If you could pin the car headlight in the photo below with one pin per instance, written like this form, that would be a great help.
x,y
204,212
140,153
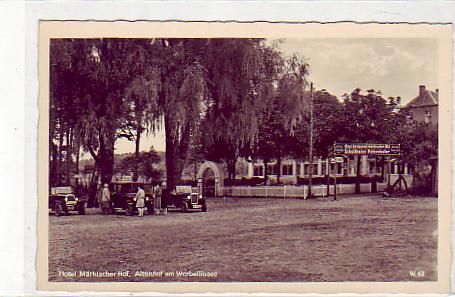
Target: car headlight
x,y
188,197
134,198
66,199
200,196
77,199
146,198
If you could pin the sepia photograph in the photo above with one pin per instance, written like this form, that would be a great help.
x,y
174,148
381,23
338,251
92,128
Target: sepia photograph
x,y
273,158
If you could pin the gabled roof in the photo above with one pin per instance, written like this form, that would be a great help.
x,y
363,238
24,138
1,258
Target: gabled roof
x,y
426,98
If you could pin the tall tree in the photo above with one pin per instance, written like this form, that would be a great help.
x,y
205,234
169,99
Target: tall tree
x,y
180,78
89,76
283,113
328,117
240,75
368,118
272,138
143,111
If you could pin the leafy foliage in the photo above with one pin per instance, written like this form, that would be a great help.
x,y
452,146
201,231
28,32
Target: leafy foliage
x,y
216,99
239,87
145,165
369,117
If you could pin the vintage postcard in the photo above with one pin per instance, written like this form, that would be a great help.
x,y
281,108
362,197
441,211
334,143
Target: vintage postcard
x,y
244,157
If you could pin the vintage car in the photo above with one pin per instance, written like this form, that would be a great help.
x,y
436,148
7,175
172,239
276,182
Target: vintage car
x,y
184,198
123,196
62,200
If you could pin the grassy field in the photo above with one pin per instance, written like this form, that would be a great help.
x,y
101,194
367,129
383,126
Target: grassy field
x,y
254,240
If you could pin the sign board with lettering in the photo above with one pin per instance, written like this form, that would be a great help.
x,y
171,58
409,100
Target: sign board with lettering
x,y
372,149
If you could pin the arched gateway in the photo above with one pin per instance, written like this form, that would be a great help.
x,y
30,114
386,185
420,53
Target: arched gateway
x,y
204,170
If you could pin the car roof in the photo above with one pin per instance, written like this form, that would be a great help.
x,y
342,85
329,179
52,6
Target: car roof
x,y
129,183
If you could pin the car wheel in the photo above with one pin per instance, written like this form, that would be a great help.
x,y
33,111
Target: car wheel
x,y
83,208
130,210
184,207
204,207
58,209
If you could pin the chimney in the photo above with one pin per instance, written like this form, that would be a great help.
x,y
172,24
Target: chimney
x,y
421,90
437,92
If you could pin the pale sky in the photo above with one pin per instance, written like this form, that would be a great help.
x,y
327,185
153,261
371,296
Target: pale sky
x,y
395,66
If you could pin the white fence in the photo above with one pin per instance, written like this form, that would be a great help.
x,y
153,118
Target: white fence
x,y
296,191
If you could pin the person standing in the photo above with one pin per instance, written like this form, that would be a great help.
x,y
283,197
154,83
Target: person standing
x,y
140,201
106,199
157,199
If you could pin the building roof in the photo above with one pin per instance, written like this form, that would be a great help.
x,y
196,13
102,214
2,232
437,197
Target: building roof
x,y
425,98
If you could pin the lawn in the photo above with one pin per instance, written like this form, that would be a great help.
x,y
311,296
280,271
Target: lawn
x,y
365,238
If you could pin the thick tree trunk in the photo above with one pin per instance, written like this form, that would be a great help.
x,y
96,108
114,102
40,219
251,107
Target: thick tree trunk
x,y
357,176
231,166
176,150
136,153
170,152
105,160
234,162
53,169
278,174
78,150
229,169
266,177
69,154
60,156
195,171
93,190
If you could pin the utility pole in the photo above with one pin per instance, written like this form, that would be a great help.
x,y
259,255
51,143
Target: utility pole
x,y
310,182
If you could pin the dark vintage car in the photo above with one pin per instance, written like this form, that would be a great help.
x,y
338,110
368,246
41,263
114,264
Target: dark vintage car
x,y
62,200
184,198
123,196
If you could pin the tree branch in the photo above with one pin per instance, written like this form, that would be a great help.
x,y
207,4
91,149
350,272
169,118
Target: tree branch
x,y
93,153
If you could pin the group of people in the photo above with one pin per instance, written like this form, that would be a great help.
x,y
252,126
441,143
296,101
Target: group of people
x,y
106,203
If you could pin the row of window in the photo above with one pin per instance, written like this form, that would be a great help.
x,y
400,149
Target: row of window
x,y
287,169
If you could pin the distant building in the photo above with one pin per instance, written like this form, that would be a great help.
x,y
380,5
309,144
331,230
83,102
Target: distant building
x,y
424,107
292,170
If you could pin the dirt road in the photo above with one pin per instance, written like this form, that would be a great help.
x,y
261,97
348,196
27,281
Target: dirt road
x,y
353,239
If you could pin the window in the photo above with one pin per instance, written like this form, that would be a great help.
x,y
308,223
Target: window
x,y
324,168
306,169
372,167
392,168
272,169
297,169
287,169
427,116
258,170
336,167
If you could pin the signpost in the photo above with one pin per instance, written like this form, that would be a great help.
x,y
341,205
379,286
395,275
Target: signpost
x,y
371,149
357,149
